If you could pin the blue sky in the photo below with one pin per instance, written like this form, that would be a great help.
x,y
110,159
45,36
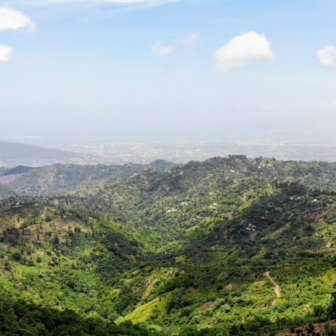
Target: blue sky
x,y
175,71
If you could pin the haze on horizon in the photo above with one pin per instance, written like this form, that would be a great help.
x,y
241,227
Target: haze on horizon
x,y
137,70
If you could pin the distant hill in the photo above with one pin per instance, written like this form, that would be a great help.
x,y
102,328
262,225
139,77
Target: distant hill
x,y
62,178
16,152
5,191
18,170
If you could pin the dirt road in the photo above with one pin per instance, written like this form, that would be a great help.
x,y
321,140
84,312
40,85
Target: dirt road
x,y
277,287
43,215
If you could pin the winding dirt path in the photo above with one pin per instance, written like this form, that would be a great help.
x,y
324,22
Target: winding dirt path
x,y
43,215
277,288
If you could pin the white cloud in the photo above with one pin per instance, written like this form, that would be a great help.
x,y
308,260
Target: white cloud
x,y
161,50
241,50
5,53
188,43
12,19
327,56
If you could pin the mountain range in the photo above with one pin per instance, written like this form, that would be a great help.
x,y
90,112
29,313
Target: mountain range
x,y
228,246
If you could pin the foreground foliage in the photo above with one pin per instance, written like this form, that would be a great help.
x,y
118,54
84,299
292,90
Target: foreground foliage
x,y
20,318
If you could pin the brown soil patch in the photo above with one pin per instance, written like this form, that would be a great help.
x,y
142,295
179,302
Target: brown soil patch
x,y
172,272
229,286
280,230
149,284
206,305
318,216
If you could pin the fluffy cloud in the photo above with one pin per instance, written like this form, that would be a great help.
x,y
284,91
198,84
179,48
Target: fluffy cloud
x,y
188,43
241,50
327,56
161,50
11,19
5,53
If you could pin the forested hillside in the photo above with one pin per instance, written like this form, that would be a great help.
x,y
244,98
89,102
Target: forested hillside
x,y
229,246
61,178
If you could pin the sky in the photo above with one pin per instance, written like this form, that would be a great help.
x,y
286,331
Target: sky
x,y
193,70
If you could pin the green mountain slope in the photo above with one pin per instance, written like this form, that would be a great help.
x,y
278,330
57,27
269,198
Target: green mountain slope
x,y
228,246
61,178
20,318
17,170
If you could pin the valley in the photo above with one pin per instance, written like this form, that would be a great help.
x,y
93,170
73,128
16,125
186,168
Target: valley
x,y
228,246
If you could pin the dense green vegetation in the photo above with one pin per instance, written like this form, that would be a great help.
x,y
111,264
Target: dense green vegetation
x,y
185,251
20,318
61,178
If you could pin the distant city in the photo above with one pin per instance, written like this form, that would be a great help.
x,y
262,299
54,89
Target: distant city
x,y
118,153
146,152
